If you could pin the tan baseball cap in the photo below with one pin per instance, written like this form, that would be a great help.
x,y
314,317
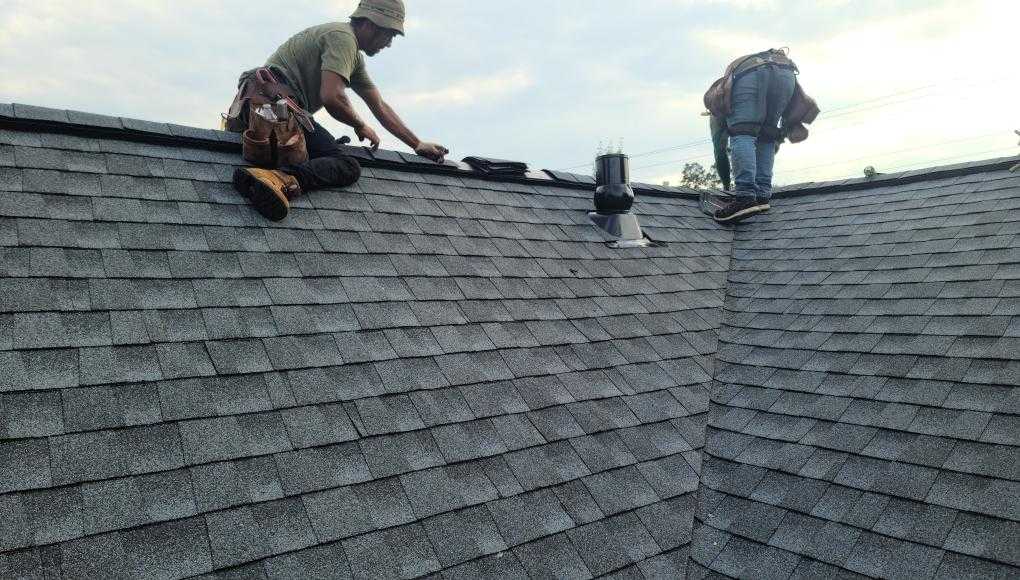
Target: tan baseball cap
x,y
384,13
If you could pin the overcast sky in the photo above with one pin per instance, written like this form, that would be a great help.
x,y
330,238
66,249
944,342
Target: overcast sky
x,y
902,84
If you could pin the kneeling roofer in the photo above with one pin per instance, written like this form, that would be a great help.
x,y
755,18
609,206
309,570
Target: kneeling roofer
x,y
313,70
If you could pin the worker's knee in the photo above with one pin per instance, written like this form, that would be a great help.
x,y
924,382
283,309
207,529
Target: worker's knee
x,y
349,169
335,171
342,170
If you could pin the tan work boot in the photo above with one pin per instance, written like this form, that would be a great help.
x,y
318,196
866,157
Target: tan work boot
x,y
268,190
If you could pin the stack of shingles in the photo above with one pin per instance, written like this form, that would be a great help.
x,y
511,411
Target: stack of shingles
x,y
395,379
869,417
497,167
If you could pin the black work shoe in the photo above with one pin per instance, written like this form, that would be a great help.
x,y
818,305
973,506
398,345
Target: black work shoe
x,y
740,208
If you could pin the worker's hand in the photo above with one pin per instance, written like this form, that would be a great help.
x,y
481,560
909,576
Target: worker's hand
x,y
433,151
367,133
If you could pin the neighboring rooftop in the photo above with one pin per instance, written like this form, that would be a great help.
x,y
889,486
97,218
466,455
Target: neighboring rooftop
x,y
438,371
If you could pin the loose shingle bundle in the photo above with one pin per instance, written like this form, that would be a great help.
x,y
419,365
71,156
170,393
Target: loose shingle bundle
x,y
497,167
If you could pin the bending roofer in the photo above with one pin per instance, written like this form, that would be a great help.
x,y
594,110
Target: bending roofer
x,y
756,92
312,70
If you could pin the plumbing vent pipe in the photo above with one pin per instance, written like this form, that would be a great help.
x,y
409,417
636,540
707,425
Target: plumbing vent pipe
x,y
614,198
613,193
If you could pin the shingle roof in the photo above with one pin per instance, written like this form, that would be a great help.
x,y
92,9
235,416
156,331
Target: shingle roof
x,y
429,371
438,373
865,419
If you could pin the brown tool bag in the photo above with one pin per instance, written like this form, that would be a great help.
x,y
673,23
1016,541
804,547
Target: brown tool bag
x,y
270,120
802,110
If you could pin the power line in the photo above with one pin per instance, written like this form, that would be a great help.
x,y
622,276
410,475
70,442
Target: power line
x,y
707,141
652,152
883,153
840,162
675,161
824,115
959,81
883,97
664,149
825,130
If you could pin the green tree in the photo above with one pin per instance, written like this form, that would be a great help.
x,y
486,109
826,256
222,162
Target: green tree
x,y
696,176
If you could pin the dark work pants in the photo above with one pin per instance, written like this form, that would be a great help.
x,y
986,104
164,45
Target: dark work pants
x,y
327,166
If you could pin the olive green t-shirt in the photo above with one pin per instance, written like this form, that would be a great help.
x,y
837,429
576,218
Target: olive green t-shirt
x,y
331,46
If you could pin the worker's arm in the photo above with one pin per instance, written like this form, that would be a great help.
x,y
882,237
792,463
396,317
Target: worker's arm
x,y
333,93
395,125
720,145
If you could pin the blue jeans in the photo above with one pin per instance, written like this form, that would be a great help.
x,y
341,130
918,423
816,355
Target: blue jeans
x,y
759,99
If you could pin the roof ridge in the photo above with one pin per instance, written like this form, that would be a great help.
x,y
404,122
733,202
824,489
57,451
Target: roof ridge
x,y
31,117
23,116
899,178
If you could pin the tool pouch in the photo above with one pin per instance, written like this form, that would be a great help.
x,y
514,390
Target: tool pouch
x,y
270,144
258,152
291,147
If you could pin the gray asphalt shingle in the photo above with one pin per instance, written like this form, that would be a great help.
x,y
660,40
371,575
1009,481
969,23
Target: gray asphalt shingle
x,y
348,511
554,556
442,489
527,517
402,552
104,454
317,468
429,372
245,533
613,542
464,535
546,465
235,483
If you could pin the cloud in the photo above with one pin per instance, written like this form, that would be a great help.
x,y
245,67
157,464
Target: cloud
x,y
729,4
471,90
157,59
545,82
896,90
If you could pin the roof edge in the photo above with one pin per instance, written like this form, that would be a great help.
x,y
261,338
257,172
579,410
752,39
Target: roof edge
x,y
900,178
21,117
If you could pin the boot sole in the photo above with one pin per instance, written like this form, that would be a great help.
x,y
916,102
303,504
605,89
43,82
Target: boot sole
x,y
746,212
265,201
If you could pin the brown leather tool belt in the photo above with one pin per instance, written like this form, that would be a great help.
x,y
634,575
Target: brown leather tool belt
x,y
258,87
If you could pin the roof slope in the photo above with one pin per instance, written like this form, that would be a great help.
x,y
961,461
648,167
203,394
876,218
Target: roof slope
x,y
866,414
433,373
425,372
